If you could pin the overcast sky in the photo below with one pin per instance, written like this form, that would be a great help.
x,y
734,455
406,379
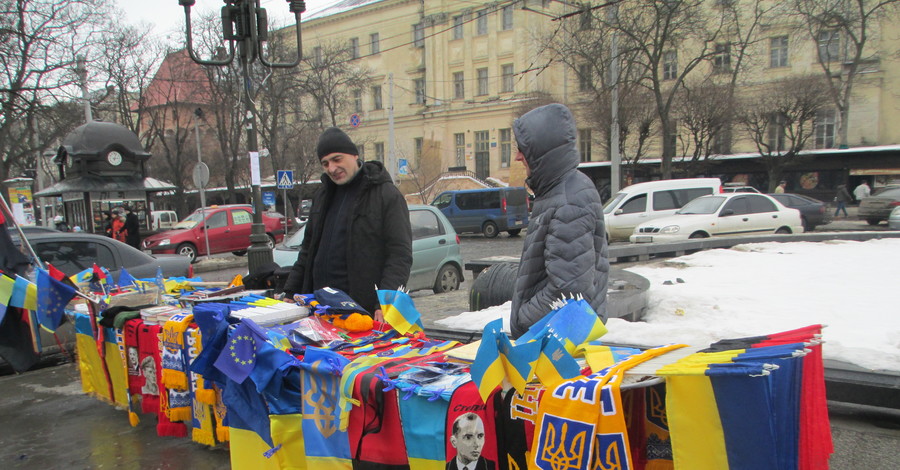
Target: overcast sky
x,y
166,15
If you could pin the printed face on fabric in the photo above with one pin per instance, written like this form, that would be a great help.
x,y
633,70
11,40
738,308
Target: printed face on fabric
x,y
340,167
468,437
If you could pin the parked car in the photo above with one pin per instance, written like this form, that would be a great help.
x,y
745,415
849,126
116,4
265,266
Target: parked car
x,y
642,202
437,264
813,212
894,219
163,220
725,214
488,211
227,227
877,207
738,188
74,252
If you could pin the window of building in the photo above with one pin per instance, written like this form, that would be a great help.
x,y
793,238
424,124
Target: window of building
x,y
459,86
778,51
824,129
420,90
482,81
722,58
585,77
458,27
418,145
379,151
354,48
584,144
586,19
357,101
829,45
670,65
506,18
376,97
507,80
419,35
481,22
460,146
374,42
505,147
317,56
776,133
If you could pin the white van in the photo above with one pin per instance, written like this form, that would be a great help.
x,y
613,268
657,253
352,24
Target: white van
x,y
641,202
162,220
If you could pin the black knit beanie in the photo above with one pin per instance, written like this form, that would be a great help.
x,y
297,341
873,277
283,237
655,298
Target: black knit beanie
x,y
335,140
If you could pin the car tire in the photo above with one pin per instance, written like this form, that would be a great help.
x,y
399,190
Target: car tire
x,y
270,242
805,224
873,221
699,235
514,232
239,253
783,231
490,229
186,249
447,279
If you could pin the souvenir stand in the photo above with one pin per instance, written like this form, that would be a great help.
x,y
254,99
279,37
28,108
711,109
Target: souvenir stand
x,y
317,385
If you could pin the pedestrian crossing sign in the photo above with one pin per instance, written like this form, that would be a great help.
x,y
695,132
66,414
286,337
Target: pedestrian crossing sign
x,y
285,179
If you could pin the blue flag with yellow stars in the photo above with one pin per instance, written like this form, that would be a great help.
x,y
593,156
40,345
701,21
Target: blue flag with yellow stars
x,y
238,359
52,297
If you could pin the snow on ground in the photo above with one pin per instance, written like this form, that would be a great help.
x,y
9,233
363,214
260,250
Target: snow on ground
x,y
761,288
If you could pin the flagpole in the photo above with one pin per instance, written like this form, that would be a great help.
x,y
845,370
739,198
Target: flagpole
x,y
9,216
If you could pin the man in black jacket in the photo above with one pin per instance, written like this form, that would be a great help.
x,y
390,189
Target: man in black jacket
x,y
358,235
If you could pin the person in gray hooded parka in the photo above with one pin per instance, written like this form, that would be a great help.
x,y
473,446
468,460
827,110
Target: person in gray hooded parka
x,y
565,248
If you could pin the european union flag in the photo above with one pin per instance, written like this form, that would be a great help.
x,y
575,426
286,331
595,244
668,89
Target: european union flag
x,y
126,279
160,282
238,359
52,298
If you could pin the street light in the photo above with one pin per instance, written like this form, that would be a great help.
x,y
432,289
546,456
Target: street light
x,y
244,23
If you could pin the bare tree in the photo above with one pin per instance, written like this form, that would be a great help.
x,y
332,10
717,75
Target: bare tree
x,y
425,172
705,112
779,119
330,76
842,30
39,40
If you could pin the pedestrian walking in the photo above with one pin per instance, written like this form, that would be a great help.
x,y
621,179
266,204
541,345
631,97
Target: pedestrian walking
x,y
842,197
780,188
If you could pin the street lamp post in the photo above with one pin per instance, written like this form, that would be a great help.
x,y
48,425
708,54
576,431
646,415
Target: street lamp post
x,y
244,24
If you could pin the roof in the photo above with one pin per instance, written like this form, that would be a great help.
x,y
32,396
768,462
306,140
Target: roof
x,y
92,183
178,80
96,137
333,7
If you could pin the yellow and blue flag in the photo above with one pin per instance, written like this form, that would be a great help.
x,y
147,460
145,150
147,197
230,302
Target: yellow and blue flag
x,y
24,294
519,360
6,289
399,311
573,322
487,369
52,298
554,364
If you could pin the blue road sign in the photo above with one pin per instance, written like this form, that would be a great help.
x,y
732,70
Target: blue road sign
x,y
268,198
285,179
354,120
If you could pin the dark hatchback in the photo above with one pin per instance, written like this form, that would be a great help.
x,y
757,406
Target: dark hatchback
x,y
813,212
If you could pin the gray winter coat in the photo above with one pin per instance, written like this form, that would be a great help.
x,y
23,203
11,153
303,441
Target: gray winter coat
x,y
565,248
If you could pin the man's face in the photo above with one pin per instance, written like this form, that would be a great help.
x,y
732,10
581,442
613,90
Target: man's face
x,y
469,441
520,157
341,167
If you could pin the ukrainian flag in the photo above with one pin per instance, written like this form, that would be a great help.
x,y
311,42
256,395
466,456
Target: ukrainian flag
x,y
573,323
487,370
399,311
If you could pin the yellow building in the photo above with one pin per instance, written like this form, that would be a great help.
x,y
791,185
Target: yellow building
x,y
448,77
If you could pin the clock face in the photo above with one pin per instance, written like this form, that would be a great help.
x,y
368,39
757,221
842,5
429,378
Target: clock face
x,y
114,158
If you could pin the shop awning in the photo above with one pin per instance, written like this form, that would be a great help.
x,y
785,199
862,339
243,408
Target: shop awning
x,y
95,184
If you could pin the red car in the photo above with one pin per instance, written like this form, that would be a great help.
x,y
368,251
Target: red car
x,y
227,228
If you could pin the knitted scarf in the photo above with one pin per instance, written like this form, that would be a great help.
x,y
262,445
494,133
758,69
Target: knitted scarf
x,y
202,429
130,366
174,355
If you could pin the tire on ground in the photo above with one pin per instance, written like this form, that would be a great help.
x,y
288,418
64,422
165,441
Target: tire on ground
x,y
494,286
